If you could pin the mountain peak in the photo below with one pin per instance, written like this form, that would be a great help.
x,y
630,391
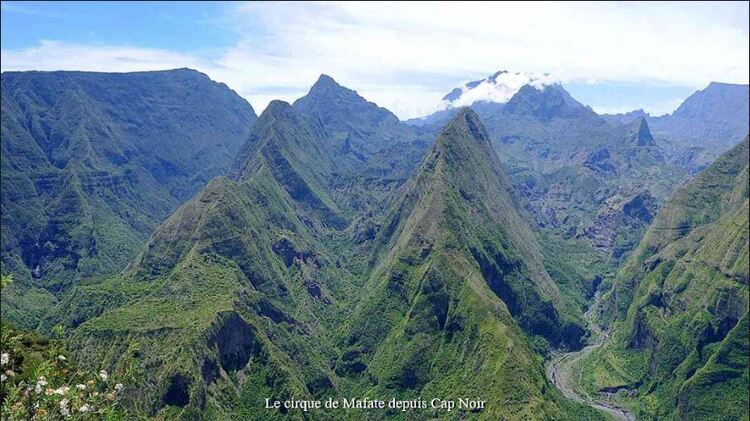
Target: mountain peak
x,y
326,80
342,112
640,134
277,107
498,87
546,102
325,84
465,122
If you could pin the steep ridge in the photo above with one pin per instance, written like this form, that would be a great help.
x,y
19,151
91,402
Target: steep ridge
x,y
458,272
92,162
233,298
244,293
680,303
579,176
237,295
705,125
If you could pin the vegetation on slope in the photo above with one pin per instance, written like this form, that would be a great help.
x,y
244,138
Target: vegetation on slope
x,y
680,304
92,162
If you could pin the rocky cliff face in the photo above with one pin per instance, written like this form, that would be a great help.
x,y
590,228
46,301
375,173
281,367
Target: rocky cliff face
x,y
680,302
576,169
93,161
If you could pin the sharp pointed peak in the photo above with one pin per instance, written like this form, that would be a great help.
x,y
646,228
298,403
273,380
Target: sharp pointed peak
x,y
325,82
326,87
465,121
640,133
324,78
463,115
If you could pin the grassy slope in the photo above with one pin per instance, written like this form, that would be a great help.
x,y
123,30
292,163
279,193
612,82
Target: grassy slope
x,y
431,324
681,300
244,292
236,262
92,162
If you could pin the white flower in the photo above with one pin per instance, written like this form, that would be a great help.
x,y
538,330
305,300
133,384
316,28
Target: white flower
x,y
119,387
104,376
3,377
39,385
64,408
4,358
61,357
84,408
61,391
81,386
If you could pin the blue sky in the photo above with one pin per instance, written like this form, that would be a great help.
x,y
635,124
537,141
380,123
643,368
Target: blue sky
x,y
612,56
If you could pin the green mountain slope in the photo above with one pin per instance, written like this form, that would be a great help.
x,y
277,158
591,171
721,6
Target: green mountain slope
x,y
680,304
92,162
264,259
592,186
458,273
247,291
230,301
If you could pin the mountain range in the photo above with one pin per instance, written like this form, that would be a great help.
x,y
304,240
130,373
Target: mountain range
x,y
705,125
680,304
326,249
93,162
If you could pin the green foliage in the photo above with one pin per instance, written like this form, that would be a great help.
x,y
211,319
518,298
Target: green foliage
x,y
39,382
457,273
92,162
679,305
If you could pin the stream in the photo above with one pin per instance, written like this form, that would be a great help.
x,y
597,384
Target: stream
x,y
560,370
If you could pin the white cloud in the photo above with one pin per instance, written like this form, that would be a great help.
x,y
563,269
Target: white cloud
x,y
406,56
499,88
56,55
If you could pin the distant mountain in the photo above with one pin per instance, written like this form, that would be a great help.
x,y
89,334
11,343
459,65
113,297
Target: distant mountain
x,y
373,136
546,103
680,304
559,152
92,162
718,102
625,118
705,125
516,93
499,88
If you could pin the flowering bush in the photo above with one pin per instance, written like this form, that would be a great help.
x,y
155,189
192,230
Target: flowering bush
x,y
39,382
